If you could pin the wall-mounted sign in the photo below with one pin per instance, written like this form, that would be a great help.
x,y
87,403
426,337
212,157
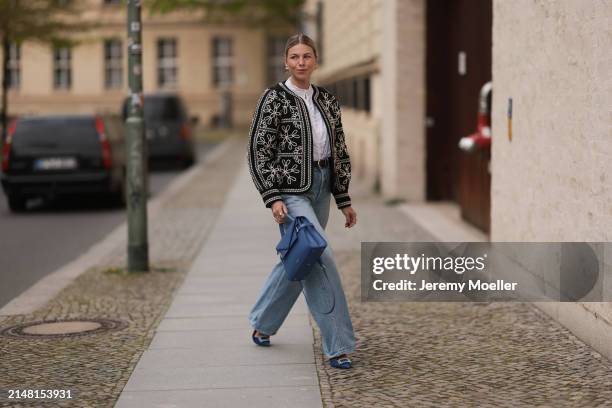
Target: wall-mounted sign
x,y
510,119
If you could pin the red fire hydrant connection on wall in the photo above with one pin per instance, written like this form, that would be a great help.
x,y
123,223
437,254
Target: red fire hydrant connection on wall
x,y
481,139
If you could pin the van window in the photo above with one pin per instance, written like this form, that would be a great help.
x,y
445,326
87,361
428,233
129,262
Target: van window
x,y
163,109
78,134
159,108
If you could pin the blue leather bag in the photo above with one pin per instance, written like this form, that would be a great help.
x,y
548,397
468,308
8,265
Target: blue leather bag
x,y
300,247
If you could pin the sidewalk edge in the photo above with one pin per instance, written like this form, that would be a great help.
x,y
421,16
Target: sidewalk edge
x,y
49,286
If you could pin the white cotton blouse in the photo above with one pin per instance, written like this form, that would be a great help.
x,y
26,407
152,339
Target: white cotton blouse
x,y
321,149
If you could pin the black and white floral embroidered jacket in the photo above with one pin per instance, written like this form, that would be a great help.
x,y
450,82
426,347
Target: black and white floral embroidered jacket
x,y
281,142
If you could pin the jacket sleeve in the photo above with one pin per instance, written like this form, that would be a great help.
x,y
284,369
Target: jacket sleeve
x,y
262,147
342,163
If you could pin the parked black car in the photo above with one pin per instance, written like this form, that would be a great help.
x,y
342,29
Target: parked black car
x,y
168,129
57,155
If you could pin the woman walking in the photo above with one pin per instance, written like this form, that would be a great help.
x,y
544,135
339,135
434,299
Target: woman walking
x,y
298,159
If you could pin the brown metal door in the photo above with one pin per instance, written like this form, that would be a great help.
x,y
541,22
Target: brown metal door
x,y
458,64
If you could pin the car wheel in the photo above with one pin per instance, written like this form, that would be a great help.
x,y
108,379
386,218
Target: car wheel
x,y
188,162
118,196
16,203
121,195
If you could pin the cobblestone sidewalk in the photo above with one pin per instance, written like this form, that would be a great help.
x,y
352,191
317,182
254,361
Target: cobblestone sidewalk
x,y
408,354
451,354
96,367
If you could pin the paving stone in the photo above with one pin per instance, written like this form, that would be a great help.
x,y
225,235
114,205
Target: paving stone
x,y
229,355
260,397
96,367
222,377
408,354
232,337
221,322
450,354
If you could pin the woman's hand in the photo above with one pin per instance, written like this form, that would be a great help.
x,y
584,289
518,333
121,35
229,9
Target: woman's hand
x,y
279,211
350,215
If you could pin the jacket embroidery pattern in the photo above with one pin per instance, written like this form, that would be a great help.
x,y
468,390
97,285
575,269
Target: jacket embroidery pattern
x,y
281,142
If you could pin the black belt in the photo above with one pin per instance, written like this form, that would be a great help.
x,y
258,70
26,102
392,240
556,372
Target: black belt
x,y
321,163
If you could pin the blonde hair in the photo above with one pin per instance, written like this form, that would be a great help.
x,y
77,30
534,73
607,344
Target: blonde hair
x,y
300,38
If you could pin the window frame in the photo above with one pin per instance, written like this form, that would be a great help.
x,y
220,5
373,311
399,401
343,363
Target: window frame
x,y
62,68
354,92
222,65
167,65
14,66
275,55
113,63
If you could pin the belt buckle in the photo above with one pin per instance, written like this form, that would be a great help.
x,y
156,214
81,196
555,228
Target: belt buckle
x,y
321,163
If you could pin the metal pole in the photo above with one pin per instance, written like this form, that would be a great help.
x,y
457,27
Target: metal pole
x,y
226,109
6,48
138,246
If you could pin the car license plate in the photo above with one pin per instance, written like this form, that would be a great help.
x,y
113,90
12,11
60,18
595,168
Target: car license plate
x,y
56,163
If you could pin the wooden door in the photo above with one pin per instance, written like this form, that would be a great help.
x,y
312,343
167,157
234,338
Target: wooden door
x,y
458,64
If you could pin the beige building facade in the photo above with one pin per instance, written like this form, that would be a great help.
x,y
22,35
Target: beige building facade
x,y
379,78
180,54
551,182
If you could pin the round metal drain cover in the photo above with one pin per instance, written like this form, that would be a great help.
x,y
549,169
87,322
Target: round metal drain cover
x,y
63,328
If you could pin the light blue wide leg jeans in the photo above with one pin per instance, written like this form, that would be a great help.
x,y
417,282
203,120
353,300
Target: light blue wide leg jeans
x,y
322,287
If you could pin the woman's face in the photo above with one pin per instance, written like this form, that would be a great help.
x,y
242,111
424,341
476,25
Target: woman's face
x,y
301,61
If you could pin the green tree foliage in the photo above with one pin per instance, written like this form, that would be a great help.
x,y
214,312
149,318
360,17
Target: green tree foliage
x,y
250,12
39,20
48,21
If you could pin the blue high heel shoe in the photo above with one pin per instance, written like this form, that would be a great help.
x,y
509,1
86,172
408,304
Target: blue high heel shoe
x,y
261,339
342,362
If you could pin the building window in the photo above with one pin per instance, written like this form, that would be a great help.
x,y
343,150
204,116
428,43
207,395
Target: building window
x,y
353,92
343,93
356,82
14,66
62,72
223,62
276,59
113,64
333,88
366,94
166,62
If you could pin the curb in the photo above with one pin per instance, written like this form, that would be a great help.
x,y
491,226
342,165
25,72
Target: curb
x,y
48,287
